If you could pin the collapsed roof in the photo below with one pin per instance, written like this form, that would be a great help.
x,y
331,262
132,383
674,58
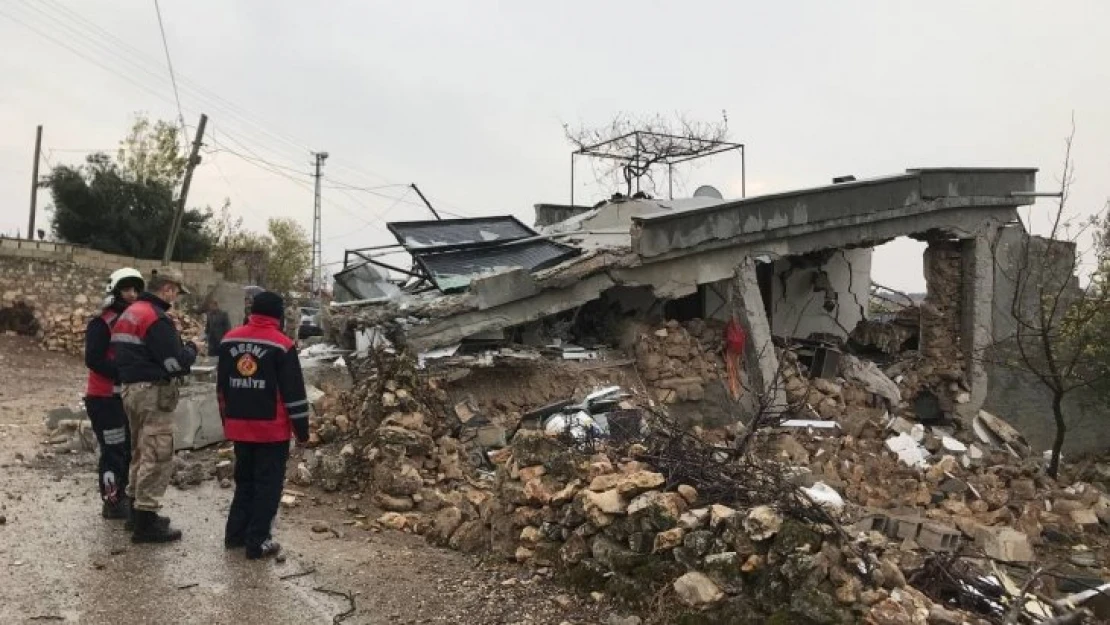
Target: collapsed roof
x,y
494,273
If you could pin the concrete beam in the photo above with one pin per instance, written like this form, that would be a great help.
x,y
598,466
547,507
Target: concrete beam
x,y
857,203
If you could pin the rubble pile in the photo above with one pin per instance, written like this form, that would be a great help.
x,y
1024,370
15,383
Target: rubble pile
x,y
65,331
797,528
678,361
890,337
395,440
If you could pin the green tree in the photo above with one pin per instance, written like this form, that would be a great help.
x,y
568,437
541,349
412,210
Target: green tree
x,y
238,253
152,152
102,206
290,256
279,260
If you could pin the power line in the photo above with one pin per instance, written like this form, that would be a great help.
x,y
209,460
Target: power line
x,y
100,40
173,79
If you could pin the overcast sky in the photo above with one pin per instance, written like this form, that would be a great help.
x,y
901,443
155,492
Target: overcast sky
x,y
468,99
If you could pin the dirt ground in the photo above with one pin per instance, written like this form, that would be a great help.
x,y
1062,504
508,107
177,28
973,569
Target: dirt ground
x,y
60,562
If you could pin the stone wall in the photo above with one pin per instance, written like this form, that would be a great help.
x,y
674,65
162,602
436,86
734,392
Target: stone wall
x,y
60,294
1015,394
51,290
200,276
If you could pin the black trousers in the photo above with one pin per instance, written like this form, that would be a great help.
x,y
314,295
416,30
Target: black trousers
x,y
109,422
259,478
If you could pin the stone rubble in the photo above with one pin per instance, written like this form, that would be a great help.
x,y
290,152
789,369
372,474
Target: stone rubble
x,y
607,519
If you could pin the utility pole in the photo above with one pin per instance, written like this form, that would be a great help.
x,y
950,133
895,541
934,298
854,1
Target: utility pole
x,y
425,200
317,253
35,183
179,216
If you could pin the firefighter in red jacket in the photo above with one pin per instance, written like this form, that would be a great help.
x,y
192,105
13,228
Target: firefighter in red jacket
x,y
102,395
263,403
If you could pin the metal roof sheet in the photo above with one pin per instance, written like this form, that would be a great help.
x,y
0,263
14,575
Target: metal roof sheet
x,y
417,235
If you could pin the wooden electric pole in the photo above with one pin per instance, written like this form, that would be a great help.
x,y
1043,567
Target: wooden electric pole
x,y
35,183
179,216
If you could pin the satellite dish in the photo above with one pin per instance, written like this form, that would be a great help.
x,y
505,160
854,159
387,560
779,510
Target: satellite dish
x,y
708,191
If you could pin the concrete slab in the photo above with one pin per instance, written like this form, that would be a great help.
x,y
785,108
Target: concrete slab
x,y
507,285
197,421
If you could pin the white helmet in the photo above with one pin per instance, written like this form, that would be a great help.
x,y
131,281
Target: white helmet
x,y
127,273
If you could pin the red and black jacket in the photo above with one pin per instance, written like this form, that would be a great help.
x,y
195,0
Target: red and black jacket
x,y
146,345
260,385
103,373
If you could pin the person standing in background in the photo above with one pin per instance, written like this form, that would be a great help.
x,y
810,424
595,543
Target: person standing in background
x,y
216,325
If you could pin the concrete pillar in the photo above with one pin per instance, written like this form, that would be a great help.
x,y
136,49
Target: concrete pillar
x,y
761,361
976,320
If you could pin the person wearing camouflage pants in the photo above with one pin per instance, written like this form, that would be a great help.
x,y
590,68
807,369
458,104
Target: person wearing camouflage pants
x,y
151,359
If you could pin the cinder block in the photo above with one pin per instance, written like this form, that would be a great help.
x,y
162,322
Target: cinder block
x,y
1006,544
935,537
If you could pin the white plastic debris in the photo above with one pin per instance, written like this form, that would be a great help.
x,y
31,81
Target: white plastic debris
x,y
825,496
810,423
908,450
917,432
579,426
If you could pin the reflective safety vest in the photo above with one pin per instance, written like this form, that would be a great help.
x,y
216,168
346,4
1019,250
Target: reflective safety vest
x,y
135,362
101,385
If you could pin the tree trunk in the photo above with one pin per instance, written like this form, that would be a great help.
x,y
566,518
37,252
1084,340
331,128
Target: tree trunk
x,y
1061,432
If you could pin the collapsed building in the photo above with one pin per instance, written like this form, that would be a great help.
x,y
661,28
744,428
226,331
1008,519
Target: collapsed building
x,y
792,266
466,424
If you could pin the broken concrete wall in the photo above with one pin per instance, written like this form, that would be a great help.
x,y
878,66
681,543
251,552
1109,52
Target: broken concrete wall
x,y
1014,393
941,319
823,293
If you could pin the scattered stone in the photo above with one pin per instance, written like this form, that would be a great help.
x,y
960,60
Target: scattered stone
x,y
696,589
303,477
628,484
319,527
762,523
391,520
719,514
224,470
689,493
952,445
665,541
390,503
528,474
225,483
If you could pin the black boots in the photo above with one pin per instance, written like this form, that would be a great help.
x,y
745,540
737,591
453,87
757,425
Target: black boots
x,y
267,549
120,509
129,524
150,528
